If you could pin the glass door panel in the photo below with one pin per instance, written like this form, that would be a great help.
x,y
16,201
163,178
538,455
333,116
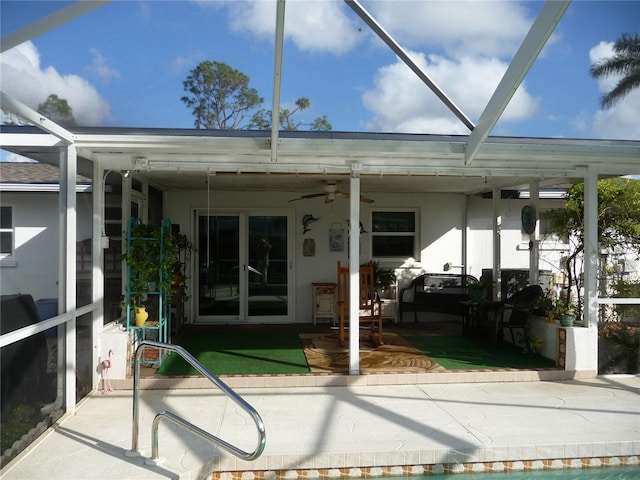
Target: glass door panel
x,y
268,266
219,274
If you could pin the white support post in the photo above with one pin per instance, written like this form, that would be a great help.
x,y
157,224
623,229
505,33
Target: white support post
x,y
497,232
534,262
99,243
67,273
354,274
125,208
590,310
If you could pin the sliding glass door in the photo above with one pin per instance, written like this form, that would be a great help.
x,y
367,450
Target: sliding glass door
x,y
243,268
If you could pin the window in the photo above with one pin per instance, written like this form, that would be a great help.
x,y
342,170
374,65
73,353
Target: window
x,y
393,234
6,231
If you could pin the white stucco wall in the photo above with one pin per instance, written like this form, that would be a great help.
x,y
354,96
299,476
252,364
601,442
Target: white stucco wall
x,y
34,268
441,220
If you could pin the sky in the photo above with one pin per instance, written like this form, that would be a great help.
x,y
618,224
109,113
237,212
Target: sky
x,y
124,63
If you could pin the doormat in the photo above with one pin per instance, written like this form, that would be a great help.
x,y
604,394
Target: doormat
x,y
324,354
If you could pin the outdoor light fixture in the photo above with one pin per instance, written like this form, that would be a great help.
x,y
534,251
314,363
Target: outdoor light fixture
x,y
126,173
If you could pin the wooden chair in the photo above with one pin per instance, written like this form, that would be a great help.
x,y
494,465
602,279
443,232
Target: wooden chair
x,y
370,309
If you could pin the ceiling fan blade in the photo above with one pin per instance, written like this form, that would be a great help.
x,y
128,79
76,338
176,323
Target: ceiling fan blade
x,y
311,195
365,199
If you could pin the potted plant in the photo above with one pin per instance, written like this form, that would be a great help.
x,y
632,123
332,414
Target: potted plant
x,y
478,290
150,256
385,280
563,312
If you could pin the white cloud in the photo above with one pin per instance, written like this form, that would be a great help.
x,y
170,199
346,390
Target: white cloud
x,y
622,121
14,158
25,79
101,68
186,62
492,29
598,53
402,103
311,25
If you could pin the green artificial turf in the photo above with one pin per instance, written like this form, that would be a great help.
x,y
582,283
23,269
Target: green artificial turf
x,y
235,353
466,353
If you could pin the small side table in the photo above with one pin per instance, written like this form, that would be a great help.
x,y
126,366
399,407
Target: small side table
x,y
324,301
390,310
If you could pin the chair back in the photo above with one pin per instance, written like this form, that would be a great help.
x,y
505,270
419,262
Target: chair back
x,y
523,303
367,293
343,284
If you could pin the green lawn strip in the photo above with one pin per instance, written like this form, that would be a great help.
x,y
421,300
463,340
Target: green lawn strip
x,y
239,354
467,353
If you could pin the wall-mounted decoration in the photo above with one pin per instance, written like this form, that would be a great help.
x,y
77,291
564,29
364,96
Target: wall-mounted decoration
x,y
336,238
307,220
309,247
362,230
529,219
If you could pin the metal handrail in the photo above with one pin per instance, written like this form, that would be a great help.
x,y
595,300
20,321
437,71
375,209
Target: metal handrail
x,y
154,460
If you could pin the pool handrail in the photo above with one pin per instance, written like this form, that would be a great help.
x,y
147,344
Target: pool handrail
x,y
154,460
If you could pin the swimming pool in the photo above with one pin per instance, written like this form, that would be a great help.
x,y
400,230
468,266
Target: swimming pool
x,y
630,472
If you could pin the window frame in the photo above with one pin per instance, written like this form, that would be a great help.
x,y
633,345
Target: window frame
x,y
7,258
415,234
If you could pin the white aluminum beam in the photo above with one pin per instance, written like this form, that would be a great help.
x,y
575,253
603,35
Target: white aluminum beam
x,y
49,22
19,108
533,43
398,50
277,79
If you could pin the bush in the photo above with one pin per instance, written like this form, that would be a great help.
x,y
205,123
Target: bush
x,y
619,347
627,289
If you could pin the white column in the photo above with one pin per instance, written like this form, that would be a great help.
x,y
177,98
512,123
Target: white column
x,y
497,229
590,310
99,243
67,273
534,262
354,274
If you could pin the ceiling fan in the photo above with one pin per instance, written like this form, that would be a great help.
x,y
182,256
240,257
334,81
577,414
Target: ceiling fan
x,y
330,193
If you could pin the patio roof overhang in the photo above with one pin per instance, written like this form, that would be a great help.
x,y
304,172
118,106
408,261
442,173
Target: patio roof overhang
x,y
386,162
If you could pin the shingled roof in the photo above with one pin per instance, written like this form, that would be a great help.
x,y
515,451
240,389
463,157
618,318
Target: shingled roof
x,y
33,174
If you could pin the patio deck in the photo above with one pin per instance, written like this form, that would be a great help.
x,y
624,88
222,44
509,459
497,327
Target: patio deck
x,y
358,429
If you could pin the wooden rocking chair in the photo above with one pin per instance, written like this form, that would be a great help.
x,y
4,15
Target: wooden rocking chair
x,y
370,309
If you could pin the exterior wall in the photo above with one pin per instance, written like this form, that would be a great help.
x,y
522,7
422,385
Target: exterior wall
x,y
36,221
441,221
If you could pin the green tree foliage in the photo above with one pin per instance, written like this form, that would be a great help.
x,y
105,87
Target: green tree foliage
x,y
261,120
618,222
625,62
57,110
219,96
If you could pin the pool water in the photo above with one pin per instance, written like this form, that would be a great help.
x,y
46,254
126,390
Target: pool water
x,y
631,472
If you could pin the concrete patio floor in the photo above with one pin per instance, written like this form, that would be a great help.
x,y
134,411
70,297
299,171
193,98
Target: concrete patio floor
x,y
383,429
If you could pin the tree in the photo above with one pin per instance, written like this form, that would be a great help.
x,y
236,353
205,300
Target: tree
x,y
219,96
57,110
618,224
626,63
261,120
